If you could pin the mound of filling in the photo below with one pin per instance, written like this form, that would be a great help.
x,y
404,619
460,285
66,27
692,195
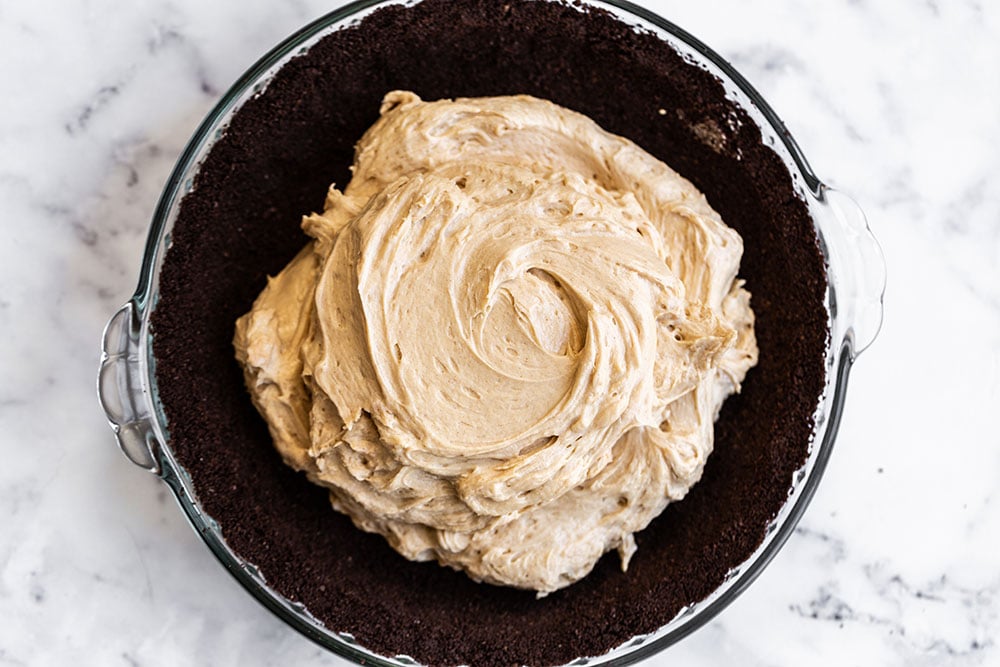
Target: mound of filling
x,y
507,342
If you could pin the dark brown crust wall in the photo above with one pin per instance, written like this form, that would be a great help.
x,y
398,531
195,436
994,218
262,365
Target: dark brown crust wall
x,y
241,222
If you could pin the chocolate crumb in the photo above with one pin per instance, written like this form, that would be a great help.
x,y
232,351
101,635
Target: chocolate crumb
x,y
241,223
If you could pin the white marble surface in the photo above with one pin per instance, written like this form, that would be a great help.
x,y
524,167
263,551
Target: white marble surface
x,y
897,561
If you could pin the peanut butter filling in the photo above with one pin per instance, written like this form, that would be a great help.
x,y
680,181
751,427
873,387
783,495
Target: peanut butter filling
x,y
507,343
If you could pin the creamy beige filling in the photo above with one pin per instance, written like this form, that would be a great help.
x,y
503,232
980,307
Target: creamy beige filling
x,y
508,341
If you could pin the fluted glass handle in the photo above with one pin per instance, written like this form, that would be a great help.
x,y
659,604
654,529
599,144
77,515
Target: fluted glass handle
x,y
121,389
861,292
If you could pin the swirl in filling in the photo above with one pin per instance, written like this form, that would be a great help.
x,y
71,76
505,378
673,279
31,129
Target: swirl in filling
x,y
508,341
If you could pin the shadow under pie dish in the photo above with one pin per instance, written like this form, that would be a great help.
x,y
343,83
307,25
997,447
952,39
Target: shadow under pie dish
x,y
229,217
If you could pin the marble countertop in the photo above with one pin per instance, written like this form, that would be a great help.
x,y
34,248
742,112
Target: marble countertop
x,y
897,561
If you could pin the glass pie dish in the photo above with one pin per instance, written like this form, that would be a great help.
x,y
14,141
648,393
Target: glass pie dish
x,y
855,279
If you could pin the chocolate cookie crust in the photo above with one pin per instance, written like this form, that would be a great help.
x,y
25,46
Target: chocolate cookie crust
x,y
241,223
